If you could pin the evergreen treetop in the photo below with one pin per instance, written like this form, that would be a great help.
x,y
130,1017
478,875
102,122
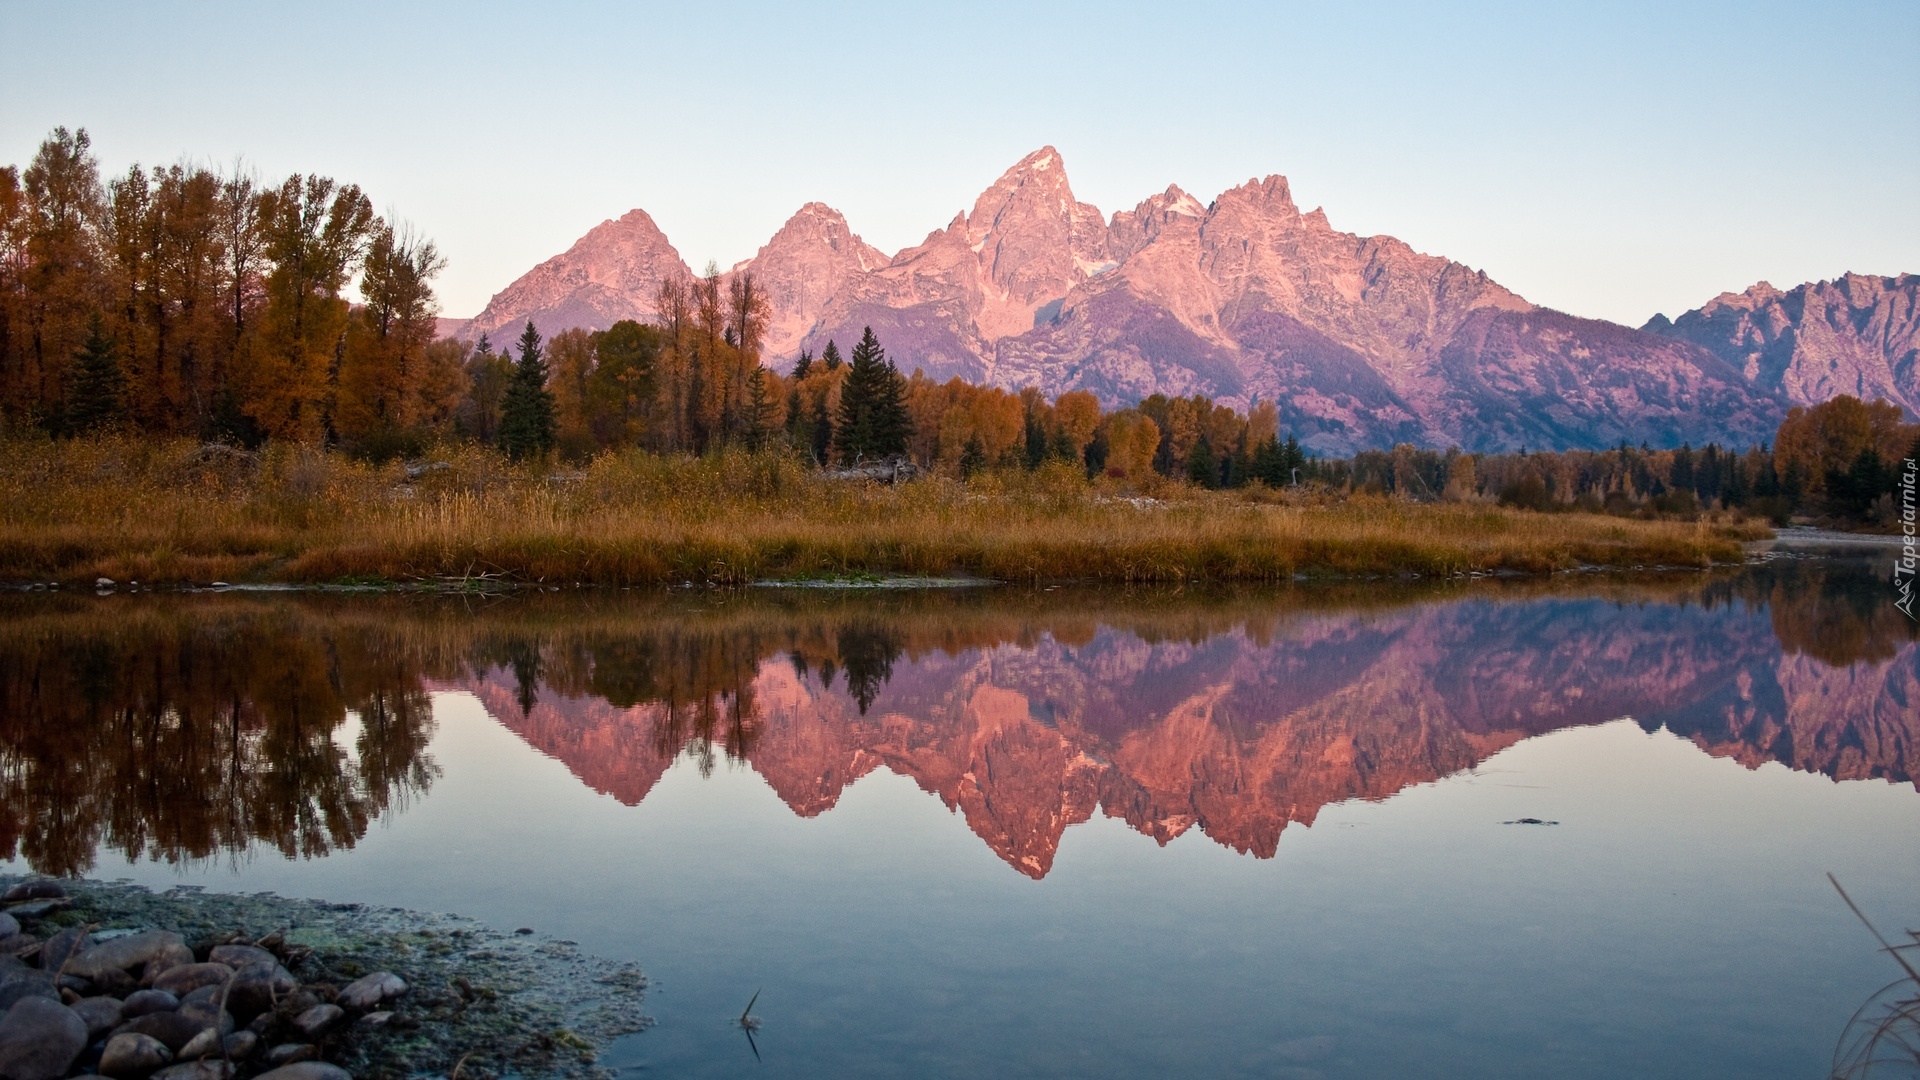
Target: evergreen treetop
x,y
527,423
97,395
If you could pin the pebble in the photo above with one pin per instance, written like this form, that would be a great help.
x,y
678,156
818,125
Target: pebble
x,y
306,1070
375,1019
121,953
241,1044
17,984
288,1053
168,958
256,988
142,1002
103,583
102,1014
370,990
9,925
35,909
204,1069
188,978
14,944
39,1039
239,956
207,1042
172,1028
315,1022
62,947
35,890
131,1055
206,1014
209,993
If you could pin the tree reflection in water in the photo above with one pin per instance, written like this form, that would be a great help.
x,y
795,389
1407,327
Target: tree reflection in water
x,y
186,727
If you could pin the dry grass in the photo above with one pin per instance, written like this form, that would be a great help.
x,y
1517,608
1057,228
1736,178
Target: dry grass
x,y
159,512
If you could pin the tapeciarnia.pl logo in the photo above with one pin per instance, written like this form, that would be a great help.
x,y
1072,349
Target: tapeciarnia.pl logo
x,y
1903,570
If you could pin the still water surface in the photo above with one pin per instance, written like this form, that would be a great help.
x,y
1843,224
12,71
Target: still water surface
x,y
1048,834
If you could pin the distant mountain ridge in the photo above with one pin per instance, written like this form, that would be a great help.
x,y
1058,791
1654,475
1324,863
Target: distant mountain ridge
x,y
1361,341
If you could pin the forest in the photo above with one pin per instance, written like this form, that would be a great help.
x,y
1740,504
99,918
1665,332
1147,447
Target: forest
x,y
181,302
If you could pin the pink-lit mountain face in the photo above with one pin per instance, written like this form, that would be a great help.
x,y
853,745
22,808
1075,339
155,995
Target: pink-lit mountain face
x,y
1361,341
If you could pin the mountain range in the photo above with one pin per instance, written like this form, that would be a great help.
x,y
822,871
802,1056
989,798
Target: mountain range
x,y
1241,734
1360,341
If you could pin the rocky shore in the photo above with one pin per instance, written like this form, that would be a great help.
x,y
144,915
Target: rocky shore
x,y
112,980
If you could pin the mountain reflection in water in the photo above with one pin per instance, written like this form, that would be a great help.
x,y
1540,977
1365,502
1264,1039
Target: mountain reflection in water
x,y
183,727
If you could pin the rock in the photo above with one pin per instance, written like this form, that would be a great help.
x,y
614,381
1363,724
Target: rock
x,y
239,956
316,1021
257,987
206,1014
9,925
17,945
306,1070
103,583
168,958
26,982
132,1055
288,1053
62,947
142,1002
39,1039
374,1019
241,1044
204,1069
208,993
176,1029
113,982
370,990
35,890
39,909
201,1045
261,1024
299,1001
187,978
122,953
102,1014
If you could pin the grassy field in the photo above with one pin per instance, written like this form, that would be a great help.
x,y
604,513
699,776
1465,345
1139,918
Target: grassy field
x,y
177,512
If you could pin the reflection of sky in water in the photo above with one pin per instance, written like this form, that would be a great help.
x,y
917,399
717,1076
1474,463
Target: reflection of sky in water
x,y
1677,923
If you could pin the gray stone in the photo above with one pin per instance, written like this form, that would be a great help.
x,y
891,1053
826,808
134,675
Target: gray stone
x,y
35,890
38,909
173,1028
374,1019
288,1053
201,1045
316,1021
241,1044
122,953
142,1002
17,945
209,993
187,978
257,987
370,990
39,1039
112,982
26,982
207,1014
130,1055
9,925
306,1070
239,956
204,1069
102,1015
168,958
63,947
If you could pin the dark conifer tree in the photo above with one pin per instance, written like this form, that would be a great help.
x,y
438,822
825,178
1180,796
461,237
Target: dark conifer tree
x,y
803,367
527,424
1201,468
97,396
873,421
830,356
973,457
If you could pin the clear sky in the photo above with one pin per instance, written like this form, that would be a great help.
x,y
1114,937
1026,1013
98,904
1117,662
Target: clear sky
x,y
1608,159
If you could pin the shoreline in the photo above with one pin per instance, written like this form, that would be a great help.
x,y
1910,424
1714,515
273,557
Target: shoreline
x,y
466,997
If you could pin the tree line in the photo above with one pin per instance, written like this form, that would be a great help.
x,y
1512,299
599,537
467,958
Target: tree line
x,y
179,301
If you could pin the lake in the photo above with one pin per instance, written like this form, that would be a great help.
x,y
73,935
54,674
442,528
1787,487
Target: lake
x,y
1567,827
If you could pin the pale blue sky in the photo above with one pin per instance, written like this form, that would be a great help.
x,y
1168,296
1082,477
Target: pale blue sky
x,y
1610,160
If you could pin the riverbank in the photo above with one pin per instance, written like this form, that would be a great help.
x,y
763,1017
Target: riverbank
x,y
162,513
189,985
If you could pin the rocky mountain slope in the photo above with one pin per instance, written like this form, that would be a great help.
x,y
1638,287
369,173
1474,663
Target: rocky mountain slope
x,y
1360,340
1854,335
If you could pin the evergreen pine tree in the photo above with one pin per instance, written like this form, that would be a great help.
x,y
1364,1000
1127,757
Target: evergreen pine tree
x,y
759,408
97,397
1201,468
527,423
973,457
803,366
830,356
873,421
820,431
